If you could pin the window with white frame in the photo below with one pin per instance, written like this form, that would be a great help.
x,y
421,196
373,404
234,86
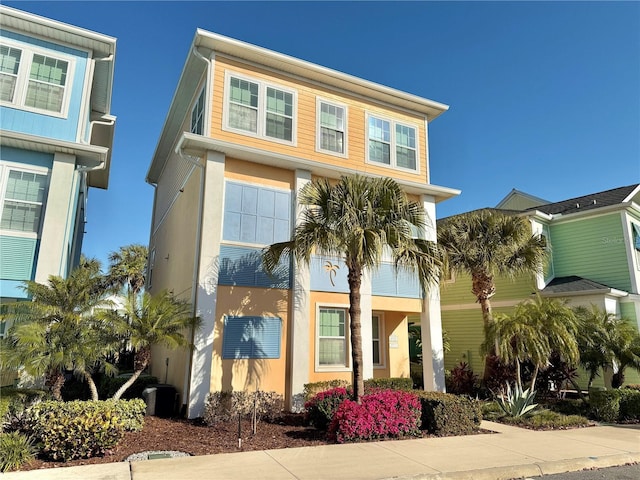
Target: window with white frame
x,y
197,115
261,109
23,196
332,130
636,241
34,80
376,338
332,337
392,143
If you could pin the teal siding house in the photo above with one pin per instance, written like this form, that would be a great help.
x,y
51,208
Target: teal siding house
x,y
594,243
56,137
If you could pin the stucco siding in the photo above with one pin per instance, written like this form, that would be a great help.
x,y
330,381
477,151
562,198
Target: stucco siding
x,y
593,248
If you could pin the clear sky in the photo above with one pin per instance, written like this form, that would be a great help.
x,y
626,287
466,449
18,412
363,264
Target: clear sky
x,y
544,96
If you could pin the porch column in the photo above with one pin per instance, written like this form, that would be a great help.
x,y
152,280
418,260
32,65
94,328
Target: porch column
x,y
300,318
365,322
430,318
58,214
208,241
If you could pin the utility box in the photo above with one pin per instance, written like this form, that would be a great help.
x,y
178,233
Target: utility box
x,y
161,400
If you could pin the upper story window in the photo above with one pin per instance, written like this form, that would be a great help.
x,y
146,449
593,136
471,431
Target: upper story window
x,y
261,109
197,115
23,196
332,130
636,241
33,80
392,143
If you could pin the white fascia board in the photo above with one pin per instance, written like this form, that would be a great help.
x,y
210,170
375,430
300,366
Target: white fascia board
x,y
196,145
87,155
562,218
635,192
602,291
296,66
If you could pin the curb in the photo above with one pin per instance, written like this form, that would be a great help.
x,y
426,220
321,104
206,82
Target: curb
x,y
530,470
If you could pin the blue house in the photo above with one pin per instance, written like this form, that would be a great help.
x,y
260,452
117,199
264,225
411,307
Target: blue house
x,y
56,137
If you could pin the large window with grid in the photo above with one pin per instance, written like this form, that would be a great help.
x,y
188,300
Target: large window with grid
x,y
332,131
254,107
34,80
23,197
392,143
332,337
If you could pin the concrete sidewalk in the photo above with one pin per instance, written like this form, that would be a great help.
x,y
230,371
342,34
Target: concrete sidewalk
x,y
509,453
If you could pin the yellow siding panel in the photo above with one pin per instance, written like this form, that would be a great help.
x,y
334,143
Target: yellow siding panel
x,y
259,173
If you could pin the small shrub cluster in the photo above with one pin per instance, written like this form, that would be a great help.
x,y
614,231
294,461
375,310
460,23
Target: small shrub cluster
x,y
547,419
311,389
224,406
615,405
462,381
383,414
82,429
14,402
447,414
16,450
321,408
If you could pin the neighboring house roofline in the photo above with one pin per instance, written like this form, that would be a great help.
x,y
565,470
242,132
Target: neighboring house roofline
x,y
197,145
207,44
578,286
103,48
514,192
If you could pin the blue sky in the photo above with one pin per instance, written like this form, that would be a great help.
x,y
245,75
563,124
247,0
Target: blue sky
x,y
544,97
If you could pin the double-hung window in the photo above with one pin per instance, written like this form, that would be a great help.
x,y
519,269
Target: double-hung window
x,y
332,131
22,201
376,338
31,79
261,109
197,115
332,338
392,143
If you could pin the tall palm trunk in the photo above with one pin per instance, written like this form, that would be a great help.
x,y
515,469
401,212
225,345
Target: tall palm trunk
x,y
355,326
483,287
54,380
140,362
92,385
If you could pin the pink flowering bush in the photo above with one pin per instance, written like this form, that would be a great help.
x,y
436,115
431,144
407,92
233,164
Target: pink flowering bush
x,y
321,407
383,414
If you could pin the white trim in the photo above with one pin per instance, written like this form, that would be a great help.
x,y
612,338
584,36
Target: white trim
x,y
381,341
347,339
345,127
23,77
393,123
261,110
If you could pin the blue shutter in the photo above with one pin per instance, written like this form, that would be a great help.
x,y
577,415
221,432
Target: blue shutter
x,y
387,282
251,337
242,266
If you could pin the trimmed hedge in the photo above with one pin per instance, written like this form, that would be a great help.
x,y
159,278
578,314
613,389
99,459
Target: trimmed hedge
x,y
394,383
321,408
312,389
446,414
615,405
82,429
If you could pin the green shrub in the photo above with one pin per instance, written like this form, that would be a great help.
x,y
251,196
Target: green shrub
x,y
78,429
311,389
131,412
321,407
108,386
395,383
14,402
16,450
629,404
605,405
446,414
547,419
225,406
517,402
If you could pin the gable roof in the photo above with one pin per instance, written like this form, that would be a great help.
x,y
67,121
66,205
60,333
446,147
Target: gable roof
x,y
517,199
574,285
592,201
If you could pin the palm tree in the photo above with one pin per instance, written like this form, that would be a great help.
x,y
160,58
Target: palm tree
x,y
56,330
150,320
533,332
127,268
488,243
607,342
359,219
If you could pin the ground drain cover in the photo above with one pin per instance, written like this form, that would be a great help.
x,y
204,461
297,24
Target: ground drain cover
x,y
155,455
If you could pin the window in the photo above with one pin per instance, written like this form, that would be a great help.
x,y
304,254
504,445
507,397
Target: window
x,y
34,81
392,143
332,338
260,109
24,195
197,115
376,337
251,337
331,127
636,241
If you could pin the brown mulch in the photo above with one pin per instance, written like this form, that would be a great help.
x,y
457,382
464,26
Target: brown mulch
x,y
160,434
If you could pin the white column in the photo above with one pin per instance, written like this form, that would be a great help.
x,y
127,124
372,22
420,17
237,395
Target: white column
x,y
300,321
430,318
207,281
365,322
58,213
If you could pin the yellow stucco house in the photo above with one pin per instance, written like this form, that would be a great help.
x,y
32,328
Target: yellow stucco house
x,y
247,128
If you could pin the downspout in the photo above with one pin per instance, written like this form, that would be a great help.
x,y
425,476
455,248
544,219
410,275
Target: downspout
x,y
198,242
